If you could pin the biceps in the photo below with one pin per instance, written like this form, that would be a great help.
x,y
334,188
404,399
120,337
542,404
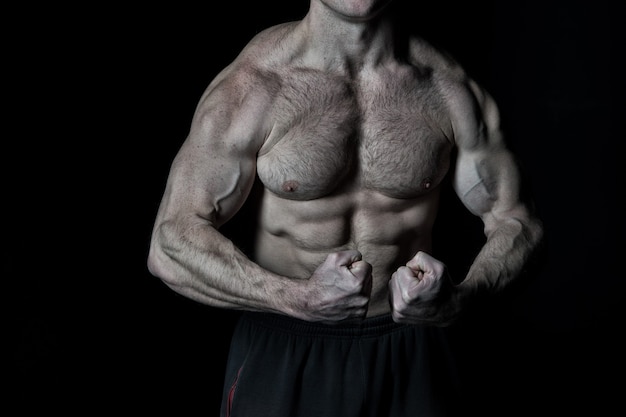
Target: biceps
x,y
213,185
230,189
487,182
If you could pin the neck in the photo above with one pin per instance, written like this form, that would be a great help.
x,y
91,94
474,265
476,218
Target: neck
x,y
339,40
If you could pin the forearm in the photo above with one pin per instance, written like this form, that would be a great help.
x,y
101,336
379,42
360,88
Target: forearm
x,y
510,244
200,263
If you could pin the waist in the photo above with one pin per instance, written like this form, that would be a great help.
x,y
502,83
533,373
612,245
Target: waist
x,y
368,327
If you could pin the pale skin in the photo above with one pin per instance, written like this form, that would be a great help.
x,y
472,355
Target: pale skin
x,y
349,141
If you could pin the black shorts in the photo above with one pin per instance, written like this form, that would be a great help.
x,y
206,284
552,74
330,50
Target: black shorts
x,y
283,367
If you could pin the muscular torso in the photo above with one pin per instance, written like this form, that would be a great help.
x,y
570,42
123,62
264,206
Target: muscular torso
x,y
351,162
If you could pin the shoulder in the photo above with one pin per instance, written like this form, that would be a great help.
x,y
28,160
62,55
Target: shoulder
x,y
447,75
237,99
438,62
270,42
253,74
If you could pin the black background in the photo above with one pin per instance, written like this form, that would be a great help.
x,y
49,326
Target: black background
x,y
99,100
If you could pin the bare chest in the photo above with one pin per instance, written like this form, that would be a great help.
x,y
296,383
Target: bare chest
x,y
384,135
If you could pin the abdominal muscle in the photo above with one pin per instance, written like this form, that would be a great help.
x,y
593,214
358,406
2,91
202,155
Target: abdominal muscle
x,y
296,236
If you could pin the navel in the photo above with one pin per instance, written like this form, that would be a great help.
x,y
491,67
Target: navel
x,y
290,186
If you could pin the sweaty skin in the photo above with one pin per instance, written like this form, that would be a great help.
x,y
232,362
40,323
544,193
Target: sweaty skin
x,y
348,141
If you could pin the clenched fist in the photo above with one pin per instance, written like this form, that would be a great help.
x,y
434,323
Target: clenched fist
x,y
423,293
339,288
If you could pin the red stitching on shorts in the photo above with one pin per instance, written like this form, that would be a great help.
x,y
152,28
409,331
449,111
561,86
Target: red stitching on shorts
x,y
231,393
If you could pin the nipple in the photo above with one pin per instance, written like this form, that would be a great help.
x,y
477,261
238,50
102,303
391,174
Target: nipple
x,y
427,183
290,186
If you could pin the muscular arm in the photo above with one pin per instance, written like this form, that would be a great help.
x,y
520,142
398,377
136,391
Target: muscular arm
x,y
487,181
209,181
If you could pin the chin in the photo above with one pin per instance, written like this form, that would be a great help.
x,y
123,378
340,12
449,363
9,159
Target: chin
x,y
358,9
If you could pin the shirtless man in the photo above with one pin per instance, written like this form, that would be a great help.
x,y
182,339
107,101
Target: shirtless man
x,y
340,135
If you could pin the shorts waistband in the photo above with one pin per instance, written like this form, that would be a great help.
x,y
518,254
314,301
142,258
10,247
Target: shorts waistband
x,y
368,327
